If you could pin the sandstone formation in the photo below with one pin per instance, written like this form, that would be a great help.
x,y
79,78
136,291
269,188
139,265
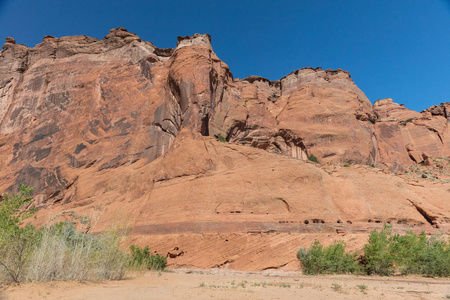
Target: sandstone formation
x,y
121,128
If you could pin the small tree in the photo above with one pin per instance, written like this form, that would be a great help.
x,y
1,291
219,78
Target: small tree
x,y
16,241
377,253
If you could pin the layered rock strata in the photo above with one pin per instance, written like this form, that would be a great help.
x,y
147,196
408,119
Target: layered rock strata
x,y
120,126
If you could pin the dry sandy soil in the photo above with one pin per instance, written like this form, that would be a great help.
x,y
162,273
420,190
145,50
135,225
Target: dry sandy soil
x,y
222,284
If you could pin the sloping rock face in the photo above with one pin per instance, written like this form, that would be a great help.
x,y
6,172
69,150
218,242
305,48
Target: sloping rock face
x,y
121,128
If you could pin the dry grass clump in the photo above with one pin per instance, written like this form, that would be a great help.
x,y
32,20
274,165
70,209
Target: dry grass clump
x,y
65,254
62,251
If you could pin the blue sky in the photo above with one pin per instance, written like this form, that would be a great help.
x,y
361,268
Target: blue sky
x,y
392,48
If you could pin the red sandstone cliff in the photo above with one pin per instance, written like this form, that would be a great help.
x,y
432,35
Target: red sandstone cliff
x,y
120,126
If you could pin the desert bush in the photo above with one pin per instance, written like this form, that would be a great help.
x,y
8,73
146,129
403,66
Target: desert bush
x,y
384,254
329,260
113,262
407,121
141,257
221,138
408,254
66,254
313,158
16,241
56,252
378,258
436,259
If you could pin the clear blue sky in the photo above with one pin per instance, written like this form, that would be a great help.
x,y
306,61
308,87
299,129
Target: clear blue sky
x,y
392,48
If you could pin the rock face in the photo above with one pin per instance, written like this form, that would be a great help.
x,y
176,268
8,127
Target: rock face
x,y
404,135
119,125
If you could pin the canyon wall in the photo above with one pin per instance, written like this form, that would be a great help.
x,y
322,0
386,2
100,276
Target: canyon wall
x,y
194,158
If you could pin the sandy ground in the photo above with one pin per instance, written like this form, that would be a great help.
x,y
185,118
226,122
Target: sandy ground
x,y
222,284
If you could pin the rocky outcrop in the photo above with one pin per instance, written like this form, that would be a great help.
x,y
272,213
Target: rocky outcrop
x,y
120,125
403,135
440,110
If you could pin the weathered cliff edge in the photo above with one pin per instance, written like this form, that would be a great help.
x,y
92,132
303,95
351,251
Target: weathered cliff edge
x,y
121,127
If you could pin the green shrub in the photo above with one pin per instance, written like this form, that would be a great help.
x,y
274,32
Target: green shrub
x,y
436,260
378,258
57,252
409,254
221,138
138,256
384,254
157,262
329,260
313,158
410,248
142,258
407,121
16,241
417,254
